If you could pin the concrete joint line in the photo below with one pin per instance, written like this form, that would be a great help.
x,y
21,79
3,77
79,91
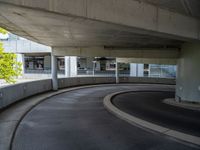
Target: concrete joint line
x,y
145,124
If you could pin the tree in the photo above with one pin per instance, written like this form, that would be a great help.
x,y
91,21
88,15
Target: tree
x,y
9,67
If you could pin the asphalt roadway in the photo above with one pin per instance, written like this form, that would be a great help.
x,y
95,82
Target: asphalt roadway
x,y
149,106
77,120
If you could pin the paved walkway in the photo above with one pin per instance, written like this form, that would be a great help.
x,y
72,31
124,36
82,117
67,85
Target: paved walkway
x,y
77,120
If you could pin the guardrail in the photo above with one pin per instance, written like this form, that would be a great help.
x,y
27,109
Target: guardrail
x,y
13,93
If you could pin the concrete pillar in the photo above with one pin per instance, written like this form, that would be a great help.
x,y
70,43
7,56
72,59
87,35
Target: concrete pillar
x,y
73,66
136,70
67,66
70,66
140,70
54,68
133,70
117,72
93,69
188,73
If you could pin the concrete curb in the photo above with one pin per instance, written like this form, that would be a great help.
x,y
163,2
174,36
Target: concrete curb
x,y
190,106
142,123
9,123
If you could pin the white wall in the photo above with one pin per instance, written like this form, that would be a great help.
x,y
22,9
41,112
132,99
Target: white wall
x,y
133,70
136,70
73,66
25,46
70,66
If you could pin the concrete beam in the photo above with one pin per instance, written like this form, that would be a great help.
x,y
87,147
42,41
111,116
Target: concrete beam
x,y
127,53
160,61
144,18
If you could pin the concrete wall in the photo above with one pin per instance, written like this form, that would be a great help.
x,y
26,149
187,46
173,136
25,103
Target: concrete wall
x,y
76,81
147,80
151,18
25,46
17,92
13,93
188,73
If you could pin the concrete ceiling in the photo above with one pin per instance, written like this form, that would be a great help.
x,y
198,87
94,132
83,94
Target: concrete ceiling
x,y
186,7
59,30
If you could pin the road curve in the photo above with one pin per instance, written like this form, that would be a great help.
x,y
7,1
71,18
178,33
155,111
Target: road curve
x,y
77,120
149,106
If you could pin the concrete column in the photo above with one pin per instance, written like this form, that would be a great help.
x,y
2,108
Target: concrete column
x,y
117,72
188,74
140,70
70,66
133,70
54,68
67,66
73,66
136,70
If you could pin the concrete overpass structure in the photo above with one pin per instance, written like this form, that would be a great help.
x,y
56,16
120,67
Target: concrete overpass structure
x,y
142,31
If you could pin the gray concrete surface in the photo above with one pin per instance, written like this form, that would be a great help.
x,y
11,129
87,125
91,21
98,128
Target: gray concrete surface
x,y
94,23
147,110
186,105
13,93
149,31
149,106
188,73
11,117
78,120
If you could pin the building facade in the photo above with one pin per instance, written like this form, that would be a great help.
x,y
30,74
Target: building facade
x,y
36,60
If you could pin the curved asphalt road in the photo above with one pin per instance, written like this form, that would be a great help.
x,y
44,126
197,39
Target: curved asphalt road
x,y
149,106
77,120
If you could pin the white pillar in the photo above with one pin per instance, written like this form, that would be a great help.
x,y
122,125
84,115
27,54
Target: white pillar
x,y
70,66
93,70
73,66
133,70
54,72
140,70
136,70
117,72
67,66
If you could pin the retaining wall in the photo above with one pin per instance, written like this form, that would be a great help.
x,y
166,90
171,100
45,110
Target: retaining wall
x,y
13,93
